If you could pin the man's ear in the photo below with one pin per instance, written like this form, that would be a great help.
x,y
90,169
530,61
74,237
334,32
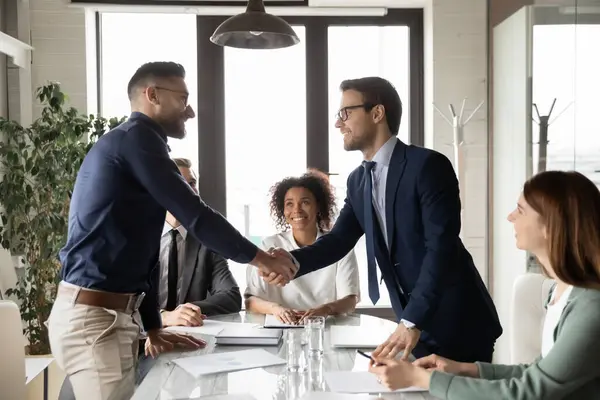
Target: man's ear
x,y
152,95
378,113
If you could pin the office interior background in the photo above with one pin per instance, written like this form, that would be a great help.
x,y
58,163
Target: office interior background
x,y
266,114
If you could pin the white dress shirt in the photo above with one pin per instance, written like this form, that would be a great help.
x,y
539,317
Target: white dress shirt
x,y
379,175
553,313
165,242
328,284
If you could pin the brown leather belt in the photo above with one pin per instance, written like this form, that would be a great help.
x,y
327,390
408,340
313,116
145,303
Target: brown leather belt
x,y
125,303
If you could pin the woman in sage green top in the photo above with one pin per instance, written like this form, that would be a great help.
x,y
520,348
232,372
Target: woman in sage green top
x,y
558,220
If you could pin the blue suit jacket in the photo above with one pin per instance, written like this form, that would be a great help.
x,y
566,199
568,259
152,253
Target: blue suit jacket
x,y
430,276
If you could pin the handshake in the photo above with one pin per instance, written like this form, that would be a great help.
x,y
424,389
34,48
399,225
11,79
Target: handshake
x,y
275,266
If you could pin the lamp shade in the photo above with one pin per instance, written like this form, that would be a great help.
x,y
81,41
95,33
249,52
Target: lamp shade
x,y
255,29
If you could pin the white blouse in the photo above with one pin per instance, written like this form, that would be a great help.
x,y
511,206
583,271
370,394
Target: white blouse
x,y
312,290
553,313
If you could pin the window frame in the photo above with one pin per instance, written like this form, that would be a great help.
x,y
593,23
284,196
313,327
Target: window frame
x,y
210,115
211,91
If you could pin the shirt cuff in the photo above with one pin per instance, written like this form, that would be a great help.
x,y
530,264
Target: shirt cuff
x,y
296,263
407,324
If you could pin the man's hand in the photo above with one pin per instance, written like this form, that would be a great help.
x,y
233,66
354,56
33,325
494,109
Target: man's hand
x,y
286,315
187,314
275,267
160,341
402,339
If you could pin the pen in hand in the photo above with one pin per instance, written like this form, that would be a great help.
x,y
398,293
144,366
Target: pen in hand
x,y
367,356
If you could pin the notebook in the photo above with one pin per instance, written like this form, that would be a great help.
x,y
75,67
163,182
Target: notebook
x,y
355,337
244,335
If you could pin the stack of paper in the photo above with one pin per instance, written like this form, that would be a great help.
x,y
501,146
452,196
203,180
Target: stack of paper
x,y
243,335
228,362
359,382
210,327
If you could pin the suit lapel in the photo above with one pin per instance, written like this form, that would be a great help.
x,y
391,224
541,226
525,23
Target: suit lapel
x,y
395,171
189,266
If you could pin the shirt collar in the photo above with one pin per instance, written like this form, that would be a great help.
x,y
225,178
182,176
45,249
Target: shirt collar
x,y
136,115
384,154
290,237
168,228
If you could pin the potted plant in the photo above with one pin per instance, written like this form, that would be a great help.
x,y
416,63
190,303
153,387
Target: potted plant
x,y
39,165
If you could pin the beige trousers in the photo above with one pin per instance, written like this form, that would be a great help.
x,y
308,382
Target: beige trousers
x,y
96,347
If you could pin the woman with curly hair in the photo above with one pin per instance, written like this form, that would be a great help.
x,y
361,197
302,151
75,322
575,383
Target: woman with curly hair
x,y
306,204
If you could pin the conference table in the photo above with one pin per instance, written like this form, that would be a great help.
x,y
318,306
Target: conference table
x,y
168,381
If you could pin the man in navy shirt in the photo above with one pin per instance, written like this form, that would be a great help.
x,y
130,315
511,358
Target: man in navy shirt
x,y
123,189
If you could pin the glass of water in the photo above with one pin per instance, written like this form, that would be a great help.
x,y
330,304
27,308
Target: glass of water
x,y
296,355
315,335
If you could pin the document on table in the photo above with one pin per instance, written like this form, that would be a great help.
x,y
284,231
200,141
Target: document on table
x,y
34,366
271,321
355,337
228,362
243,396
210,327
338,396
359,382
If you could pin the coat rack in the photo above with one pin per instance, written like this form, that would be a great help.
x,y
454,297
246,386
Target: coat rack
x,y
544,122
456,121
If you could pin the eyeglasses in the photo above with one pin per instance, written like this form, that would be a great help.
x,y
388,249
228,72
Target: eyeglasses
x,y
182,92
342,113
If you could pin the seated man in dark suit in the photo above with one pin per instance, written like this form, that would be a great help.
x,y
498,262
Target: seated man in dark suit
x,y
206,287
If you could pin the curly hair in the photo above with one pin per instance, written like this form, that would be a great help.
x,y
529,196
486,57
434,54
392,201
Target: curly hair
x,y
318,184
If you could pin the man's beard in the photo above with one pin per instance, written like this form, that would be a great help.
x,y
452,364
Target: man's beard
x,y
174,129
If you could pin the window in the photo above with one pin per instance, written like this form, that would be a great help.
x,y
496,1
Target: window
x,y
384,51
124,51
263,115
265,133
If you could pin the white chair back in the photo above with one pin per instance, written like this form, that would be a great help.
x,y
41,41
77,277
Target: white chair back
x,y
12,352
530,293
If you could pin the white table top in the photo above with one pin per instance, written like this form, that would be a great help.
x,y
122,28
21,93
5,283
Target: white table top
x,y
167,381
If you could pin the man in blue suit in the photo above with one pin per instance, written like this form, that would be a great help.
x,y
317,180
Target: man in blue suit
x,y
405,199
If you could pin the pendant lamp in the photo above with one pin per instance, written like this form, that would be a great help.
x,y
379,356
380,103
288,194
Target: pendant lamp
x,y
255,29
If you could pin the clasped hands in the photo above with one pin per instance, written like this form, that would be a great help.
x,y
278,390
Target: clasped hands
x,y
275,266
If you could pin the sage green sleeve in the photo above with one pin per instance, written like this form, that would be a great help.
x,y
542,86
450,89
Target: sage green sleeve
x,y
572,362
499,371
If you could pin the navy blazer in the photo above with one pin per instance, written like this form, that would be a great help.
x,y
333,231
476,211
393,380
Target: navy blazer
x,y
430,276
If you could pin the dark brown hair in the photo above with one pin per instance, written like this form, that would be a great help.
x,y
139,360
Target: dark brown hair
x,y
318,184
376,91
569,206
152,71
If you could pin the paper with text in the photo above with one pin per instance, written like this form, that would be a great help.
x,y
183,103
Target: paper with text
x,y
228,362
359,382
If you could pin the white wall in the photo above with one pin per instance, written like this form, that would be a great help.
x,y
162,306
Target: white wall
x,y
510,149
